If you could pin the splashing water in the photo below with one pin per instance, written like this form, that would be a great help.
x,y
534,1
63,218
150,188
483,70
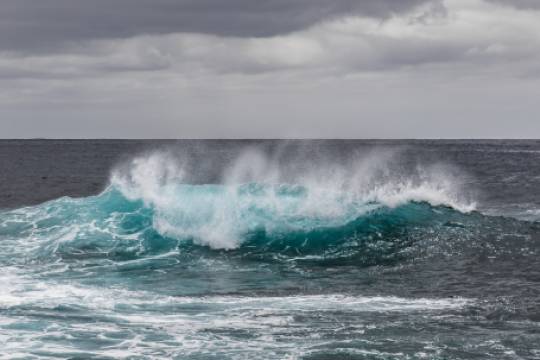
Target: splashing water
x,y
295,258
255,196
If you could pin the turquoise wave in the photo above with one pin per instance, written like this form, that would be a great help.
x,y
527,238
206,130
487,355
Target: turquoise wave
x,y
257,221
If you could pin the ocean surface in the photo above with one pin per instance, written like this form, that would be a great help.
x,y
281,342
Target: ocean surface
x,y
269,249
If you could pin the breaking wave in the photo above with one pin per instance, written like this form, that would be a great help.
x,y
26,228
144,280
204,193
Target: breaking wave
x,y
361,211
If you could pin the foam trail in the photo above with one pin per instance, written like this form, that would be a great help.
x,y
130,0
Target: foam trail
x,y
25,291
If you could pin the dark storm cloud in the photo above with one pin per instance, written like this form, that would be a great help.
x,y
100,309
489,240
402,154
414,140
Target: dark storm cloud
x,y
30,25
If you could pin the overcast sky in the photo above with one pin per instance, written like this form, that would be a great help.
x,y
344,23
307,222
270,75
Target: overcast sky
x,y
270,68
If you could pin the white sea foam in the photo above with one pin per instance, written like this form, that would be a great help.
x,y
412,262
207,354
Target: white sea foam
x,y
17,290
260,192
142,323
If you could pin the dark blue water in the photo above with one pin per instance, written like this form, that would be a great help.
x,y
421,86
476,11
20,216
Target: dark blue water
x,y
270,249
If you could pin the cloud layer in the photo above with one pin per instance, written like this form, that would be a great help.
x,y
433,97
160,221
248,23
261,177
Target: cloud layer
x,y
193,61
448,35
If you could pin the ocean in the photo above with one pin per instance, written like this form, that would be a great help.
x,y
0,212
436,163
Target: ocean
x,y
312,249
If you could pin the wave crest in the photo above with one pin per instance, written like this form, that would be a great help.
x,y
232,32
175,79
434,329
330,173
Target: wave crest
x,y
362,212
257,194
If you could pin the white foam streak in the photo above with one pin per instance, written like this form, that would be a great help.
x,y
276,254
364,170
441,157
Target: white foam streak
x,y
393,195
20,290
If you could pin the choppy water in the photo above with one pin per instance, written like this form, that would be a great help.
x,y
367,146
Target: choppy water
x,y
270,250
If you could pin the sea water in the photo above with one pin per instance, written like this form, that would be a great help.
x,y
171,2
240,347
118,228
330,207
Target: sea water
x,y
270,250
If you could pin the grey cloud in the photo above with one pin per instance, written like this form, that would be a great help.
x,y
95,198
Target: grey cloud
x,y
521,4
216,68
29,25
426,37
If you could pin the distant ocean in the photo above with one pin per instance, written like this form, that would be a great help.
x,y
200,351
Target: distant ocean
x,y
117,249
